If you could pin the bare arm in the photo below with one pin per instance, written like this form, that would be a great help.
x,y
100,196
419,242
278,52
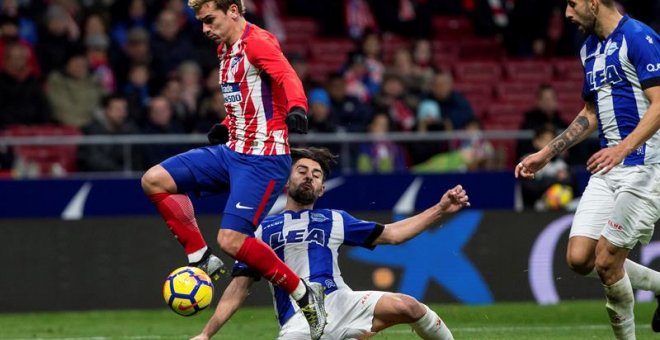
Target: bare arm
x,y
582,126
394,233
605,159
232,299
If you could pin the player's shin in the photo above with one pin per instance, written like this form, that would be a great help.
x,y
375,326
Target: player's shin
x,y
620,303
177,211
430,326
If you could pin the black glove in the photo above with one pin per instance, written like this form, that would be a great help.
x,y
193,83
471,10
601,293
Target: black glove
x,y
219,134
296,120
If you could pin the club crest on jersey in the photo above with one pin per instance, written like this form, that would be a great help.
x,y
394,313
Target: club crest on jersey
x,y
314,235
234,63
649,39
611,48
318,218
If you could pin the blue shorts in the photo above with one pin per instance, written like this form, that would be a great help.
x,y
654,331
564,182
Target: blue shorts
x,y
253,181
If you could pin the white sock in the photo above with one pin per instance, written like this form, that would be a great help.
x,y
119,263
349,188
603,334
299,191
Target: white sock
x,y
431,327
300,291
197,256
620,303
641,277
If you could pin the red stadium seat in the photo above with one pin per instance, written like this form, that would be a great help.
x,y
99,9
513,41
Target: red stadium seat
x,y
452,27
568,69
479,94
300,29
481,48
529,71
518,92
484,71
49,156
330,48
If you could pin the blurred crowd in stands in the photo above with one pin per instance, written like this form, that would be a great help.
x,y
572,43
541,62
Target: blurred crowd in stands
x,y
118,67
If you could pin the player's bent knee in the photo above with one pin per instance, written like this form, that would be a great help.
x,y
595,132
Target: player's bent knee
x,y
410,308
581,265
230,241
154,180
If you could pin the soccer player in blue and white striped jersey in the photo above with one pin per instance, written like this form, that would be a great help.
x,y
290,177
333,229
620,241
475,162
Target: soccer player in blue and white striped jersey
x,y
309,239
619,207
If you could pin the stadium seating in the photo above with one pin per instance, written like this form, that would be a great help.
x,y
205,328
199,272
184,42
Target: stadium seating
x,y
48,158
452,27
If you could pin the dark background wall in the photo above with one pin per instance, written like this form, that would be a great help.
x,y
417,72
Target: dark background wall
x,y
107,263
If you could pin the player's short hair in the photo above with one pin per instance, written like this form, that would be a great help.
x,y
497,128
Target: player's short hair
x,y
219,4
323,156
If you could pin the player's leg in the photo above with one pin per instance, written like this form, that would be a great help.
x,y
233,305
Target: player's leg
x,y
618,290
256,181
394,308
166,186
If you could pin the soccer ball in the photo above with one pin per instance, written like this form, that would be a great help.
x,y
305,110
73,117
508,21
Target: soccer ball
x,y
557,196
188,290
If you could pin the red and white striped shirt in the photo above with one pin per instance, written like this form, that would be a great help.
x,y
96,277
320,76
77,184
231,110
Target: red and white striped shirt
x,y
259,87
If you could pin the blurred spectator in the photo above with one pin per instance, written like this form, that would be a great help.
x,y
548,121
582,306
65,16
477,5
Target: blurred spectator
x,y
22,12
136,51
394,97
191,84
160,120
22,100
347,111
544,113
97,45
429,119
211,111
423,60
9,35
133,15
137,92
381,155
469,154
56,38
73,93
453,105
554,172
300,65
170,46
112,121
359,18
407,17
319,112
365,70
404,68
173,92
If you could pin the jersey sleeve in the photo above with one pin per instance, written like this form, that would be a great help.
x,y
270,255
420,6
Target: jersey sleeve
x,y
644,54
587,94
359,232
265,53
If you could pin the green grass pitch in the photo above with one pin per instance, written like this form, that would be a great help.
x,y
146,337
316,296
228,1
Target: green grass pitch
x,y
568,320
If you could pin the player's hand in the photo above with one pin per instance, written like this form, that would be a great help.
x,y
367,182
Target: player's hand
x,y
530,165
296,120
454,200
219,134
604,160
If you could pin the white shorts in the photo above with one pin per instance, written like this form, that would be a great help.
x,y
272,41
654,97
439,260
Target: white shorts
x,y
622,206
350,315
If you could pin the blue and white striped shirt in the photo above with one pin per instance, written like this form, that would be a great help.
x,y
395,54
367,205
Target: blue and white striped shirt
x,y
617,71
308,242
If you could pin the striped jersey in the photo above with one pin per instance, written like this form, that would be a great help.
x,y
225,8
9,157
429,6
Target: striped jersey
x,y
617,71
308,242
259,88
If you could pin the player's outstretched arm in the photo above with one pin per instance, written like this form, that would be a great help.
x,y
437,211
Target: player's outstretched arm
x,y
231,300
582,126
605,159
452,201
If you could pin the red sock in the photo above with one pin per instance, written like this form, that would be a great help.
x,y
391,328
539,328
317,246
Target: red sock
x,y
178,213
259,256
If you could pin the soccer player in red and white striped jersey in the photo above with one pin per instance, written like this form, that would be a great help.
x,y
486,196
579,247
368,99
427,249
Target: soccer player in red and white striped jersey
x,y
264,100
